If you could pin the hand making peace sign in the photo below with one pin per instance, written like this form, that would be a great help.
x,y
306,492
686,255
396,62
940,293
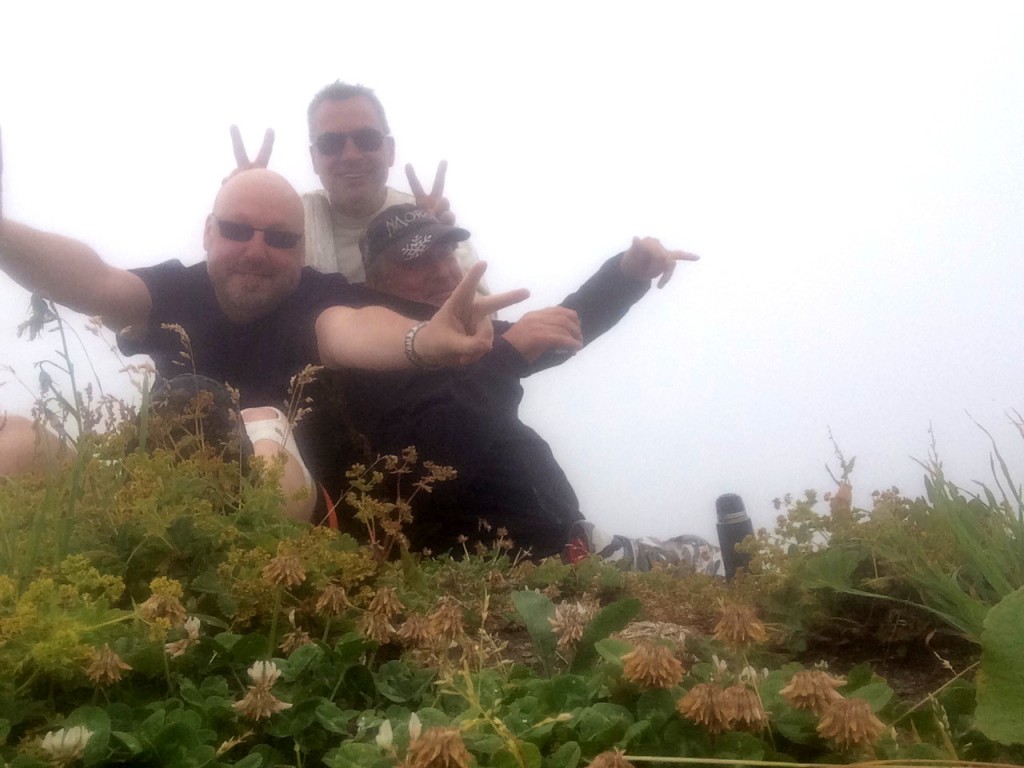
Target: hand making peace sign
x,y
435,202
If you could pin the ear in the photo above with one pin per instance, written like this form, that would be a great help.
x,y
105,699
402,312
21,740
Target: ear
x,y
312,156
208,232
389,150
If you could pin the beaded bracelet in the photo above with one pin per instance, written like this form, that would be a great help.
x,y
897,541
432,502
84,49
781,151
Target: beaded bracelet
x,y
413,356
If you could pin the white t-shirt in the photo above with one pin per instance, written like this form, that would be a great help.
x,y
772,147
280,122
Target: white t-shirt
x,y
332,240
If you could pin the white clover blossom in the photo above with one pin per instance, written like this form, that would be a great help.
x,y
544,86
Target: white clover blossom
x,y
66,745
721,665
415,727
258,701
264,673
385,735
748,675
178,648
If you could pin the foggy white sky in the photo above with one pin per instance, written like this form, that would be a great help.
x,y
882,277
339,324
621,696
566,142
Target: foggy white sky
x,y
850,172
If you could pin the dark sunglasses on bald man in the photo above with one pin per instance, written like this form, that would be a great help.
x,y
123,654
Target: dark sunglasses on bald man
x,y
242,233
365,139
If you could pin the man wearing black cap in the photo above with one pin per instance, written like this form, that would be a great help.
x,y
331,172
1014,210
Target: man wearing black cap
x,y
468,418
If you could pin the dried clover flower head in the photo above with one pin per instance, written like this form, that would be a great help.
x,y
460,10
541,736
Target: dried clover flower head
x,y
386,603
613,759
105,666
178,648
652,665
164,603
812,689
414,631
332,600
739,627
446,621
64,746
438,748
258,701
743,708
285,570
376,626
704,705
569,622
293,640
851,724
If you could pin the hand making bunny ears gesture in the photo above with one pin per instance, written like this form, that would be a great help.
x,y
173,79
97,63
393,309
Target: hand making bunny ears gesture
x,y
242,161
435,202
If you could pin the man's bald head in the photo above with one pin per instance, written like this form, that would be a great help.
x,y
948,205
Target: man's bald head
x,y
253,243
259,186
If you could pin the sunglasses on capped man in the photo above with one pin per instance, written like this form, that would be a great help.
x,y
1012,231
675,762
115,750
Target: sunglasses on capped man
x,y
243,233
365,139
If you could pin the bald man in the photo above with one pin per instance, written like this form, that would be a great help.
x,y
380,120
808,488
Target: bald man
x,y
253,315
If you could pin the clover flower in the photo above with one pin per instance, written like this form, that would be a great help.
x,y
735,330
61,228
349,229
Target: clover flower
x,y
385,602
705,704
851,724
414,631
438,748
569,622
743,708
613,759
105,666
285,571
813,689
64,746
294,640
376,627
164,603
446,621
385,735
739,626
332,600
652,665
258,701
178,647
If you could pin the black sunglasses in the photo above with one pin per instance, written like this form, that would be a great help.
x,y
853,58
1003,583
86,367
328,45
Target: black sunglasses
x,y
242,233
365,139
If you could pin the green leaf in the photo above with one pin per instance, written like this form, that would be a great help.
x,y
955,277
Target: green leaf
x,y
609,619
357,755
566,756
603,724
1000,682
335,719
877,694
402,683
130,740
612,650
831,568
301,660
536,610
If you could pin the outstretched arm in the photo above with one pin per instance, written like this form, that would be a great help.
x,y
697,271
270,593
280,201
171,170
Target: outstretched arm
x,y
375,337
71,273
647,259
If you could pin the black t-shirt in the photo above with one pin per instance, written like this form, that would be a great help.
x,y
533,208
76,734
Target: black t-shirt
x,y
257,358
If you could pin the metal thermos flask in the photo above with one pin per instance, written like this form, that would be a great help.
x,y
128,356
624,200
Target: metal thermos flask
x,y
733,526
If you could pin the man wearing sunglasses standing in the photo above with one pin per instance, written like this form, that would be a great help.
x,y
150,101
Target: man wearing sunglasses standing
x,y
352,151
254,317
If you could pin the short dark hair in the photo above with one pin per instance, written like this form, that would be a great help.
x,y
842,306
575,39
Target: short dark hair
x,y
339,91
